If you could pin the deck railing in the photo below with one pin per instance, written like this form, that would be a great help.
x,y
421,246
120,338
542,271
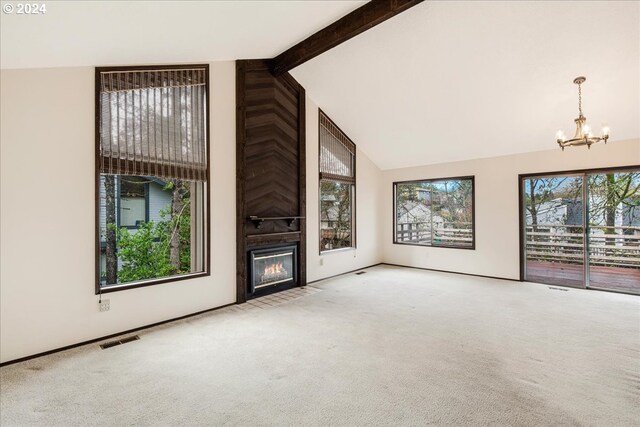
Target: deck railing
x,y
545,242
608,246
422,233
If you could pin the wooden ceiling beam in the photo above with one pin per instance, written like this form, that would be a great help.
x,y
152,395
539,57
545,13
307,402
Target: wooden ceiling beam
x,y
350,25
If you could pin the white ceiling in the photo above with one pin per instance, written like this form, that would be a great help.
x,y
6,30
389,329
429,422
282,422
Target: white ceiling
x,y
89,33
448,81
443,81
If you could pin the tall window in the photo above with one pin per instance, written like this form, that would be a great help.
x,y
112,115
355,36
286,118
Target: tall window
x,y
152,172
337,187
435,212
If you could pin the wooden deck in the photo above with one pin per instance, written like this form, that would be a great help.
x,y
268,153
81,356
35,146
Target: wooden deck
x,y
613,278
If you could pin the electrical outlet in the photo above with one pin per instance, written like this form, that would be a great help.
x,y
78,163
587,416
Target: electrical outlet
x,y
104,305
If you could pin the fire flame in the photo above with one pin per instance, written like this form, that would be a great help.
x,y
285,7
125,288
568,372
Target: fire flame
x,y
274,269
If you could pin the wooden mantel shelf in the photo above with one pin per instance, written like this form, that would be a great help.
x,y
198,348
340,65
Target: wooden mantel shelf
x,y
257,220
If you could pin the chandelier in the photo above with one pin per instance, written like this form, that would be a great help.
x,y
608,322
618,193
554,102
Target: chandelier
x,y
584,135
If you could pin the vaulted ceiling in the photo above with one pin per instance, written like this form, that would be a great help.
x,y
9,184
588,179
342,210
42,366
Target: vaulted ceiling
x,y
447,81
442,81
76,33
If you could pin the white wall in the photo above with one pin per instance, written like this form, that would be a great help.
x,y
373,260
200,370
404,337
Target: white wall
x,y
47,216
47,210
47,213
368,208
496,205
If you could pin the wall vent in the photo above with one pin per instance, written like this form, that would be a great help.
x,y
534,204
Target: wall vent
x,y
558,289
118,342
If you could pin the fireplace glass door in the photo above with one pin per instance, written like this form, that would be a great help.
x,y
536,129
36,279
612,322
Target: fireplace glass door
x,y
273,266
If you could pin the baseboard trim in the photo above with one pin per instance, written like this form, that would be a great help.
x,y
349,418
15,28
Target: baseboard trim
x,y
175,319
106,337
342,274
452,272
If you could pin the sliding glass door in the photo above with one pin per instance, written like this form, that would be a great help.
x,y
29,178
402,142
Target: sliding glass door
x,y
554,230
614,232
582,229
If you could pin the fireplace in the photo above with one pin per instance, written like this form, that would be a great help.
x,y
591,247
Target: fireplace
x,y
272,269
270,181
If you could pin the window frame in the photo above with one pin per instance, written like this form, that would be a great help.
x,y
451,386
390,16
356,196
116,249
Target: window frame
x,y
473,212
206,211
353,190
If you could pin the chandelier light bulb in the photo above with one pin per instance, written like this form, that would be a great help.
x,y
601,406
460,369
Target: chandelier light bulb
x,y
586,130
560,136
605,130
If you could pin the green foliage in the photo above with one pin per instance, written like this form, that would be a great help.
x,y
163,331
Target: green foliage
x,y
185,242
145,253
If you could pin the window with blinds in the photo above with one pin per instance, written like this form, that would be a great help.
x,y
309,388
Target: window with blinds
x,y
151,132
337,153
153,122
337,165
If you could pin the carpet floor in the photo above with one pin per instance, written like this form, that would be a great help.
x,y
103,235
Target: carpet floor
x,y
394,346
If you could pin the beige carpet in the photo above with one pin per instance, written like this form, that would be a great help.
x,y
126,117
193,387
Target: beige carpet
x,y
394,346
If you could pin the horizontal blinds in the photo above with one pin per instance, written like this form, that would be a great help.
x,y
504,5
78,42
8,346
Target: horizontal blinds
x,y
337,152
153,123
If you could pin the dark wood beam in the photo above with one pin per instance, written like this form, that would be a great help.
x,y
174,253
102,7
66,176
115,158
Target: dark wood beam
x,y
350,25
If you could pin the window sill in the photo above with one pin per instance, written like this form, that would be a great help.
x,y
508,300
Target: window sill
x,y
333,251
151,282
472,248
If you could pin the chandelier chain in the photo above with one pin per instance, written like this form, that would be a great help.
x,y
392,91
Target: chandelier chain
x,y
580,98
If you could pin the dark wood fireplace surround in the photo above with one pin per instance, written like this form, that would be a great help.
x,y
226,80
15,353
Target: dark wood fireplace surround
x,y
270,134
270,166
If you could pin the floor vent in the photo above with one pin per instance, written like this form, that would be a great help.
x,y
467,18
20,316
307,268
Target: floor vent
x,y
118,342
558,289
360,272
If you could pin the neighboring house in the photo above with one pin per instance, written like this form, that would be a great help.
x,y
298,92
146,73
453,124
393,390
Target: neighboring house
x,y
411,212
558,212
329,211
424,195
419,209
416,222
139,199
